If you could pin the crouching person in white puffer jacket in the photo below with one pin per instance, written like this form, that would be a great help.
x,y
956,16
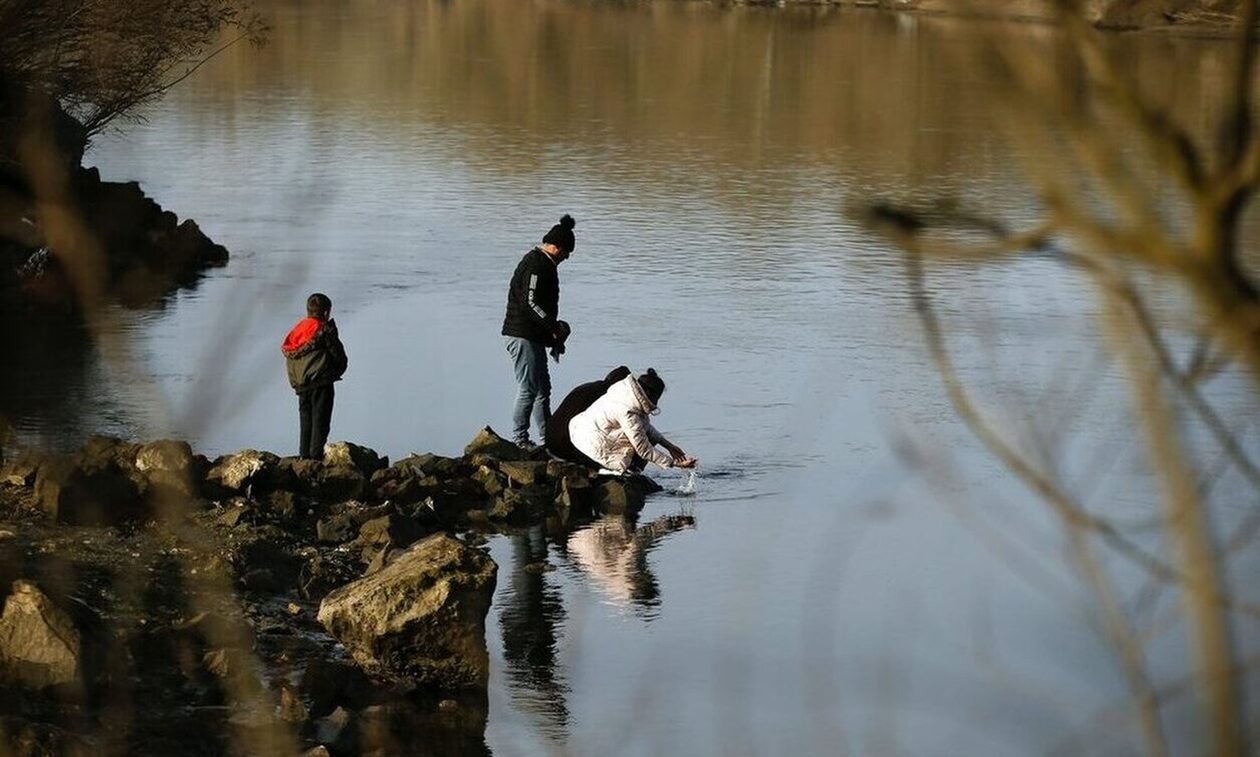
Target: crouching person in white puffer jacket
x,y
615,432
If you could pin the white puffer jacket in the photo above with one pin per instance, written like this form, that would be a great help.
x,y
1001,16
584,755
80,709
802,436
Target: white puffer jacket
x,y
616,427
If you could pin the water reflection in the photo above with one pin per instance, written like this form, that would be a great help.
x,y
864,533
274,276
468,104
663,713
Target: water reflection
x,y
531,612
611,554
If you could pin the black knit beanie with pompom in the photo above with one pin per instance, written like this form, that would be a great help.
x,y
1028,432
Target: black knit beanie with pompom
x,y
561,235
653,386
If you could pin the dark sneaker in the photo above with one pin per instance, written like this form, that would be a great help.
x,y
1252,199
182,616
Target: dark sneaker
x,y
526,445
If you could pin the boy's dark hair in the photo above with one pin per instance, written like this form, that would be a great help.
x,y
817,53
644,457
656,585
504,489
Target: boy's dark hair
x,y
318,305
653,385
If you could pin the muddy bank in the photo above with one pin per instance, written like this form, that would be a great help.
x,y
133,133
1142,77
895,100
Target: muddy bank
x,y
159,601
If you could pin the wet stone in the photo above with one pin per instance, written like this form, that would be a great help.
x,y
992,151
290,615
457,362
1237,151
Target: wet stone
x,y
39,643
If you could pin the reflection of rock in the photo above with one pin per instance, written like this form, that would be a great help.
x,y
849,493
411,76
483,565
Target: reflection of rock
x,y
39,644
422,617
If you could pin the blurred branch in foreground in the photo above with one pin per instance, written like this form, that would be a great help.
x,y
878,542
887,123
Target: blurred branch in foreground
x,y
1101,156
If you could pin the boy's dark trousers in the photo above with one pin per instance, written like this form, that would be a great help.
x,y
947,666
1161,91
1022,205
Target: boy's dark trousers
x,y
315,411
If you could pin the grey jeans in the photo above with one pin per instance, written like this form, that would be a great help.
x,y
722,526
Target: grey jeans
x,y
533,387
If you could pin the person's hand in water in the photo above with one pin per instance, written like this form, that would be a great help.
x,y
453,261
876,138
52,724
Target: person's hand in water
x,y
681,459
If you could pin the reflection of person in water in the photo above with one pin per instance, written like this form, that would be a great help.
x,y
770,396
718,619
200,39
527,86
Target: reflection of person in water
x,y
614,554
531,612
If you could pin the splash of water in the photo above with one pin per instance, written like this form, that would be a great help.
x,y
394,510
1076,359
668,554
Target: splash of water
x,y
688,487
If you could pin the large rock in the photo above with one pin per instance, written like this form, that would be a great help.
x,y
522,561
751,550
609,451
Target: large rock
x,y
167,455
623,495
362,459
524,472
24,738
39,644
99,493
487,442
106,451
169,467
338,483
236,472
21,471
422,617
264,565
392,530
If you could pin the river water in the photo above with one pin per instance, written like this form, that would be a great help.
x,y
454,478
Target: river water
x,y
859,576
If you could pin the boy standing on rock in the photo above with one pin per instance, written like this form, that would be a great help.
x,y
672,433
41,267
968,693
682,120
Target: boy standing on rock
x,y
315,358
531,326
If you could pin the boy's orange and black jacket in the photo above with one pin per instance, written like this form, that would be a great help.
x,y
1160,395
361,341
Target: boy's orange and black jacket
x,y
314,354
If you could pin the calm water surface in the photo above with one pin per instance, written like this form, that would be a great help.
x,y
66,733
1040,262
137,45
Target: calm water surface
x,y
840,588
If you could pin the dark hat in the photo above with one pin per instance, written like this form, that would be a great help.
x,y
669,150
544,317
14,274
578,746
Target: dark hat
x,y
653,386
561,235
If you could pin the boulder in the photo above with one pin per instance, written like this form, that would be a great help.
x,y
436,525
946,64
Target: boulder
x,y
321,574
235,473
509,507
264,565
88,494
362,459
524,472
624,495
345,520
24,738
105,451
20,472
393,530
416,465
326,684
338,484
39,644
167,455
422,617
234,513
487,442
291,708
170,469
284,505
296,474
491,480
217,630
575,500
337,731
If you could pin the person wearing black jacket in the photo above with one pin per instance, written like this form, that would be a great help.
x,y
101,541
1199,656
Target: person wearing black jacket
x,y
531,325
582,397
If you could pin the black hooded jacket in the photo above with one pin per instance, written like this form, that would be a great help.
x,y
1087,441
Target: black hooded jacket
x,y
577,401
533,299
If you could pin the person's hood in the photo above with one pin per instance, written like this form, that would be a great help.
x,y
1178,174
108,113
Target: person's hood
x,y
627,393
615,375
302,334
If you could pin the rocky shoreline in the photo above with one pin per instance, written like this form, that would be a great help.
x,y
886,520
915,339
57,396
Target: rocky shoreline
x,y
160,601
147,250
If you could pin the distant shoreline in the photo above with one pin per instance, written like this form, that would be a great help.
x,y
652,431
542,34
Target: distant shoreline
x,y
1111,15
